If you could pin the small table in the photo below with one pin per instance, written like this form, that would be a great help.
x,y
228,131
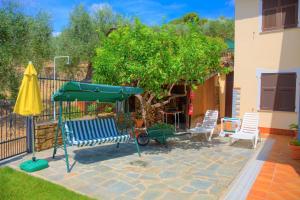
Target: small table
x,y
176,117
235,124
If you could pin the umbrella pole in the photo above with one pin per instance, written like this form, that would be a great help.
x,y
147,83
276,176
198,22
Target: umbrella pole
x,y
33,138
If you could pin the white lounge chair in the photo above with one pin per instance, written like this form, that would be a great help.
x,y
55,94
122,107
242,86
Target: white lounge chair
x,y
249,129
208,125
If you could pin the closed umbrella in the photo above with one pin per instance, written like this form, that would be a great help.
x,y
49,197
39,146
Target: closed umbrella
x,y
29,104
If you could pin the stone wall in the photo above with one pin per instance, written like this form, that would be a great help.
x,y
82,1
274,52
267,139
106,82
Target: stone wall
x,y
45,135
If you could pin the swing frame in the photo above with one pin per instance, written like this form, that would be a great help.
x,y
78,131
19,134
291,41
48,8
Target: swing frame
x,y
67,93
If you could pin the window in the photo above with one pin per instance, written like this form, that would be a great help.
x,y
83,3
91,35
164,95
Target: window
x,y
278,92
279,14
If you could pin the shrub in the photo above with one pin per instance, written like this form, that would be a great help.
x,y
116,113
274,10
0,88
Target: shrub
x,y
295,142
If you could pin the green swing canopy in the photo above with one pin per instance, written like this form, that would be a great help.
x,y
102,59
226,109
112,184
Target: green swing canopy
x,y
72,91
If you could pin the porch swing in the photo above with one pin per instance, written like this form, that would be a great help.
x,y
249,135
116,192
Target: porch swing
x,y
90,132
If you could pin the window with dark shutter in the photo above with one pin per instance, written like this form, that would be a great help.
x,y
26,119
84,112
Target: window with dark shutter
x,y
278,92
278,14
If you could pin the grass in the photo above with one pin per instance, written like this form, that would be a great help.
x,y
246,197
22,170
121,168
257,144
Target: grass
x,y
15,185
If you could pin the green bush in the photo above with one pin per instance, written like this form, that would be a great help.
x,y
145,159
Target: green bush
x,y
91,109
72,113
161,126
294,126
108,109
295,142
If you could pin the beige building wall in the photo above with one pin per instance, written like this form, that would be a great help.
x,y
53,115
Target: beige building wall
x,y
256,52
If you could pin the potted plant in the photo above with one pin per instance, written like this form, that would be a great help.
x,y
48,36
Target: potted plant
x,y
294,127
139,120
294,144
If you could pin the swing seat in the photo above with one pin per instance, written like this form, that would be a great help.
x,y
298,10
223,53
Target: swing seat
x,y
92,132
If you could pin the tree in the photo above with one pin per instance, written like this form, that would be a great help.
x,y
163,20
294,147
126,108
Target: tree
x,y
222,27
189,18
22,38
77,40
156,60
83,34
106,20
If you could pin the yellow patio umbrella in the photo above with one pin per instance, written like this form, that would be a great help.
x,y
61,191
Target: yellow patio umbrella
x,y
29,103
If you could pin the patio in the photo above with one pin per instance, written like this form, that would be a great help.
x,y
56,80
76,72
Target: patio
x,y
185,169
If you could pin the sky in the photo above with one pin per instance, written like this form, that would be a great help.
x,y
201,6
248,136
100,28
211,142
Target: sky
x,y
151,12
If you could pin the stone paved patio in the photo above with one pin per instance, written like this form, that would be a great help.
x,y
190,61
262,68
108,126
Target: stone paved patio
x,y
185,169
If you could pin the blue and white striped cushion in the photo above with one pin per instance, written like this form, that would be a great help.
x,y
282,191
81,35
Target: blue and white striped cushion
x,y
93,131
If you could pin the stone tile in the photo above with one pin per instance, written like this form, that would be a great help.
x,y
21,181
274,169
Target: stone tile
x,y
151,195
119,187
176,196
188,189
156,186
201,184
204,197
133,175
133,194
167,174
184,170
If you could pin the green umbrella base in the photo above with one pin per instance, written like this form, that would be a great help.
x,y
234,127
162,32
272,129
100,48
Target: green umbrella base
x,y
32,166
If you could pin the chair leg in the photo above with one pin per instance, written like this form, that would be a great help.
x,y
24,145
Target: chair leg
x,y
118,144
210,135
232,140
255,142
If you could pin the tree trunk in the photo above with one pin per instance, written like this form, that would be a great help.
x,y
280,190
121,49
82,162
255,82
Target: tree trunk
x,y
150,110
89,73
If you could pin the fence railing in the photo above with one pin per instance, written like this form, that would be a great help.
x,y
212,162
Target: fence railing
x,y
70,109
47,87
12,131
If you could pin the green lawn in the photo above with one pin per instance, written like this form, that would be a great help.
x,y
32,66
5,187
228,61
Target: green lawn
x,y
15,185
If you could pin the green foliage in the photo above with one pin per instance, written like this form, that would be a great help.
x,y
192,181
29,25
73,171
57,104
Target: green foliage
x,y
108,109
78,40
295,142
83,34
138,115
22,38
72,112
154,57
92,109
18,185
106,20
161,126
190,18
294,126
221,27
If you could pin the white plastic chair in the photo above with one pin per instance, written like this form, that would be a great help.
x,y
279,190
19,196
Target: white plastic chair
x,y
208,125
249,129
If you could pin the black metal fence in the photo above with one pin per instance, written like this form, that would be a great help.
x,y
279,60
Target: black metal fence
x,y
12,131
13,138
50,109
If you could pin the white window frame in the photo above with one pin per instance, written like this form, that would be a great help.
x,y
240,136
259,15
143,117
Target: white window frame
x,y
260,71
260,23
